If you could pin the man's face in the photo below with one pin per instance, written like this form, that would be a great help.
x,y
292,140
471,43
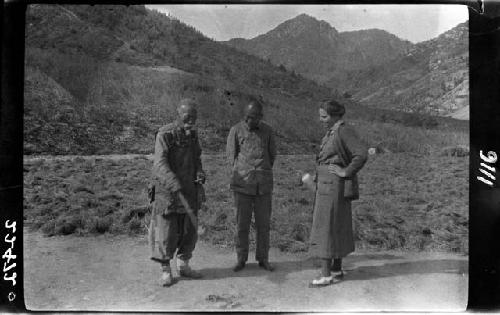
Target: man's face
x,y
187,116
253,118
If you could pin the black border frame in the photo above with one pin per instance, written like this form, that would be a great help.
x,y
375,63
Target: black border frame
x,y
484,201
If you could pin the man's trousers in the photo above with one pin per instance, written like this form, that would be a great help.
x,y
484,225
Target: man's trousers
x,y
261,206
169,233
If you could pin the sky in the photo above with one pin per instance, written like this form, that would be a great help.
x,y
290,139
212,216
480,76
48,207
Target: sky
x,y
415,23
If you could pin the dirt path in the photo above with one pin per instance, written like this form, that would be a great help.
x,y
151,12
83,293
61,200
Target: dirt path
x,y
114,273
115,157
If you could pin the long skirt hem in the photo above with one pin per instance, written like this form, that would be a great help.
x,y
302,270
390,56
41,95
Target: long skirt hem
x,y
331,232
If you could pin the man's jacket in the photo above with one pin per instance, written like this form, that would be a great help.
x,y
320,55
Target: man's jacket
x,y
176,163
251,153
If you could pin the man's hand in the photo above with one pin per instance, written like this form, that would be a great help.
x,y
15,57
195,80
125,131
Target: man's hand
x,y
335,169
201,177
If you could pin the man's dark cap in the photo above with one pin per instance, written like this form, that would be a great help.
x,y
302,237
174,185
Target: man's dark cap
x,y
255,103
187,102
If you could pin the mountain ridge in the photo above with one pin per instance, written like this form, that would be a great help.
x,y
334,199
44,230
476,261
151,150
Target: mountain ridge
x,y
107,58
369,65
431,77
317,50
125,68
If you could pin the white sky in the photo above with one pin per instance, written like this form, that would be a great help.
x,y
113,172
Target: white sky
x,y
412,22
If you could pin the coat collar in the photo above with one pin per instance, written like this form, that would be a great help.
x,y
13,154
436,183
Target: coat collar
x,y
335,126
245,125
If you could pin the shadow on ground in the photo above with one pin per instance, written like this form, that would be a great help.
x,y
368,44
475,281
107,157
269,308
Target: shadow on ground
x,y
353,271
453,266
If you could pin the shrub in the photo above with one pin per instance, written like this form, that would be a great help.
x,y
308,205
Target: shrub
x,y
458,151
100,224
136,225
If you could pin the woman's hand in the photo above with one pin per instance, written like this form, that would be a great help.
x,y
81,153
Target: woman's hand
x,y
335,169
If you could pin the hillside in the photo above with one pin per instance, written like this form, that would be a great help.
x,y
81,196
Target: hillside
x,y
101,79
111,61
318,51
373,66
433,77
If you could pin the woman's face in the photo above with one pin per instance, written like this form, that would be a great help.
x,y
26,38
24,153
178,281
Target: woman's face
x,y
326,120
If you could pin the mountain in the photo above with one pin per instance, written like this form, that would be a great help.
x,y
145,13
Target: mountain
x,y
124,68
373,67
432,77
318,51
101,79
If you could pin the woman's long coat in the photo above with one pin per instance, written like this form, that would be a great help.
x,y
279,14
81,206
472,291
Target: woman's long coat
x,y
332,232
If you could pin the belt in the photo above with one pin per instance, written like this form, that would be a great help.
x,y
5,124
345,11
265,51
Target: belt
x,y
323,171
325,166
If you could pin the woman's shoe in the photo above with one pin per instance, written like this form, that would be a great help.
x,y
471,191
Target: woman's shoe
x,y
321,282
338,274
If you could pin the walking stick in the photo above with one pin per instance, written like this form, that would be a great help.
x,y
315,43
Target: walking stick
x,y
189,211
194,221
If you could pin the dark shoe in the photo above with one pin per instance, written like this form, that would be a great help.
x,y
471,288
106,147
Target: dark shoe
x,y
239,266
336,265
266,265
187,272
338,274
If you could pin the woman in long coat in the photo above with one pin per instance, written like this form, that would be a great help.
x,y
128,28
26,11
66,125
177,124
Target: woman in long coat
x,y
342,155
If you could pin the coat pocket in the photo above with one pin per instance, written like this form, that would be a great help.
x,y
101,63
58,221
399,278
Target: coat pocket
x,y
326,187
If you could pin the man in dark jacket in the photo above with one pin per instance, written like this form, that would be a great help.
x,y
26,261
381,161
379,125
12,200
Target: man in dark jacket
x,y
251,151
177,173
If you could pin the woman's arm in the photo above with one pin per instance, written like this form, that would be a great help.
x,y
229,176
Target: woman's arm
x,y
358,150
272,147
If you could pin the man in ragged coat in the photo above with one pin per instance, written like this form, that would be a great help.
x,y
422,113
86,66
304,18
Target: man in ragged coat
x,y
177,175
251,151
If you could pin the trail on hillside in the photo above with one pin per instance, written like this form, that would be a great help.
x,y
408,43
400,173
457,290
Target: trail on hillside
x,y
114,273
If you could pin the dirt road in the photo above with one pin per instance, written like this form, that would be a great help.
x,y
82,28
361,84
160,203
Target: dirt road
x,y
113,273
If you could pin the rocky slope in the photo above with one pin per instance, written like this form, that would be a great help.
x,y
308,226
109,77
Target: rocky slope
x,y
101,79
373,67
432,77
116,72
318,51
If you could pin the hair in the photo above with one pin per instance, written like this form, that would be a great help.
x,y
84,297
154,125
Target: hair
x,y
187,102
256,104
332,107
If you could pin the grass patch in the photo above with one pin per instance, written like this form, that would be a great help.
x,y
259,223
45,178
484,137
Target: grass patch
x,y
408,201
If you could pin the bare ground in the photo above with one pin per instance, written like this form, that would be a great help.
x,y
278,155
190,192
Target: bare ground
x,y
108,272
